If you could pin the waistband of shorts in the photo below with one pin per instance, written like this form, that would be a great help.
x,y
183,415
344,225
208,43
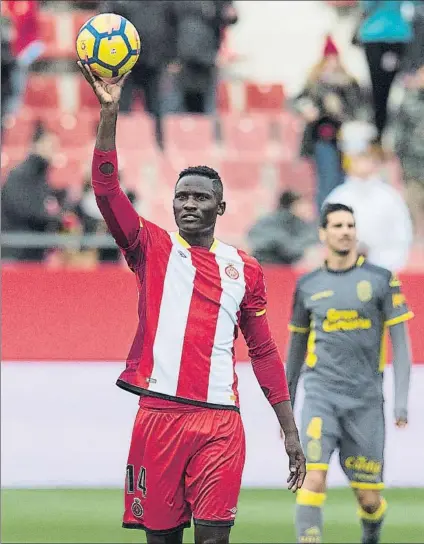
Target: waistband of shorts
x,y
172,402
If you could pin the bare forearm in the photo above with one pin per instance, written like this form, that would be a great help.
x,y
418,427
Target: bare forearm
x,y
284,413
106,133
295,358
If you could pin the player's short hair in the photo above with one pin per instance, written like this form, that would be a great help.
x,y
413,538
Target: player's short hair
x,y
206,172
331,208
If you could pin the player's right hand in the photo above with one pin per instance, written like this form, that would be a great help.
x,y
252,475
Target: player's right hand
x,y
108,94
297,462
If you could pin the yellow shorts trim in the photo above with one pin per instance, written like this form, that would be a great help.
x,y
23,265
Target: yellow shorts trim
x,y
366,485
305,497
317,466
377,515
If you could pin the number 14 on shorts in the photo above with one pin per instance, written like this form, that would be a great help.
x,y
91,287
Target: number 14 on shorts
x,y
141,480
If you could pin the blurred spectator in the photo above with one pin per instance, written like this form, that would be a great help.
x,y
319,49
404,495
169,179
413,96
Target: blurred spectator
x,y
384,32
283,236
199,28
414,54
409,146
7,66
153,21
91,220
26,47
331,97
28,204
384,226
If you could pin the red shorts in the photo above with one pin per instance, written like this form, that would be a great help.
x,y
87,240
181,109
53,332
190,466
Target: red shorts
x,y
183,463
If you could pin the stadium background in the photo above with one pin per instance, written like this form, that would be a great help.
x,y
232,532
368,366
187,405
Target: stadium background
x,y
65,333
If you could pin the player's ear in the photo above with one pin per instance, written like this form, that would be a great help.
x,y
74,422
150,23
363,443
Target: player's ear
x,y
322,235
221,208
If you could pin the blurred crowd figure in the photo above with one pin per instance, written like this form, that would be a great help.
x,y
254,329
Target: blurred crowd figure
x,y
331,97
28,202
177,71
25,46
409,147
384,31
283,236
384,225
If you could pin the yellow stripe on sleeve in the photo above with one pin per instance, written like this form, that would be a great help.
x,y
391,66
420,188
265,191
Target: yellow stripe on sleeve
x,y
261,312
399,319
317,466
294,328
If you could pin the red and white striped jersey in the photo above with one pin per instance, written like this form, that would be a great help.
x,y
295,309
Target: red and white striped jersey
x,y
191,300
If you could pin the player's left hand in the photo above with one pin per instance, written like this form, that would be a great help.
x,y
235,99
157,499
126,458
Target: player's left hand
x,y
401,422
297,462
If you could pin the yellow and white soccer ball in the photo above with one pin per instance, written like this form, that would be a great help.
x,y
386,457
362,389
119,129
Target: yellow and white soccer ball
x,y
109,44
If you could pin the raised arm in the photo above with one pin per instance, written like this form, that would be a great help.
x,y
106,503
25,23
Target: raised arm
x,y
119,214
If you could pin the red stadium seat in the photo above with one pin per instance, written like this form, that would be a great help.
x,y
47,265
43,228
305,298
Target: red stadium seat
x,y
245,135
298,176
47,22
80,18
18,130
264,97
86,98
72,130
188,132
288,131
68,168
240,175
42,92
136,132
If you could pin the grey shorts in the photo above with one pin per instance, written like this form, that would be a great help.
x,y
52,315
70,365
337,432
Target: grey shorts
x,y
357,434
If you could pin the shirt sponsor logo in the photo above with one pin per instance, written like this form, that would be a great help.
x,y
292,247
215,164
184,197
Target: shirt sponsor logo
x,y
322,294
232,272
364,291
344,320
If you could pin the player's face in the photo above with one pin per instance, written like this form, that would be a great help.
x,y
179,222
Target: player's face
x,y
340,233
196,205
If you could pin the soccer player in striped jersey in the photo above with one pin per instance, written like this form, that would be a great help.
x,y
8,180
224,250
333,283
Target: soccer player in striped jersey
x,y
341,314
187,451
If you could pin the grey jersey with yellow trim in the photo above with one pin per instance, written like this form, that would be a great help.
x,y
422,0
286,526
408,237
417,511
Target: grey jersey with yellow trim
x,y
346,314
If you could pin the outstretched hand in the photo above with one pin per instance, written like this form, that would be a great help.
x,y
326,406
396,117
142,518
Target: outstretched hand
x,y
107,93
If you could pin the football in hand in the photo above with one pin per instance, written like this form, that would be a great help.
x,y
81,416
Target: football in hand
x,y
109,44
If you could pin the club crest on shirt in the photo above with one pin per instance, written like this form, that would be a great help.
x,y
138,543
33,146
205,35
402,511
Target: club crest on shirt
x,y
182,254
364,291
232,272
137,509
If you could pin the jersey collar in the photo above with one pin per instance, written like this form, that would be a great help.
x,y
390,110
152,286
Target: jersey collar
x,y
186,245
359,262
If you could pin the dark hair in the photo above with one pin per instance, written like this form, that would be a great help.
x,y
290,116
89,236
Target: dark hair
x,y
287,199
206,172
331,208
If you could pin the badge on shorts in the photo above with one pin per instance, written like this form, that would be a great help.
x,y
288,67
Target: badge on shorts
x,y
232,272
364,291
136,508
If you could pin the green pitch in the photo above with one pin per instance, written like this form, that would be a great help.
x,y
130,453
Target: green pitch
x,y
265,516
